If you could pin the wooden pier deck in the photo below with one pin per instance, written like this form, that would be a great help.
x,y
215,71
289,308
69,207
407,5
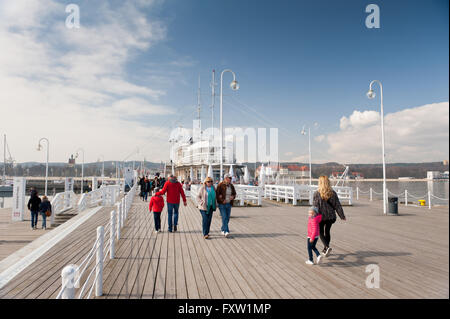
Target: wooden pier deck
x,y
264,257
15,235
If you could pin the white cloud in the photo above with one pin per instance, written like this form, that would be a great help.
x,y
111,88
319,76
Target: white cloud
x,y
359,120
319,138
412,135
71,85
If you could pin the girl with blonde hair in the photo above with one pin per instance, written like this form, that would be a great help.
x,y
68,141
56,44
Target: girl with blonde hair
x,y
327,201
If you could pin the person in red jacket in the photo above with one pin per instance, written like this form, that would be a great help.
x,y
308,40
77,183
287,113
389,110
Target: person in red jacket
x,y
156,205
173,189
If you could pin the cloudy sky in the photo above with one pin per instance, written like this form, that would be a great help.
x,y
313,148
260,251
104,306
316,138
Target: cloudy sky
x,y
129,75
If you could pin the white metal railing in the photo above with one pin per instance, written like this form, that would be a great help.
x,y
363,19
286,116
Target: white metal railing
x,y
247,193
62,202
296,193
105,195
405,195
104,246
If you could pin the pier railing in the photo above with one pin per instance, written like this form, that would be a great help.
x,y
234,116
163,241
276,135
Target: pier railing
x,y
80,281
62,202
296,193
406,197
105,195
247,193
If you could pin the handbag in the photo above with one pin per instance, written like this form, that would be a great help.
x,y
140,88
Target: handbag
x,y
48,213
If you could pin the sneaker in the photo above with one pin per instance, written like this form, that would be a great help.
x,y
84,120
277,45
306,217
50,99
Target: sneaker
x,y
324,250
170,230
206,236
175,228
319,258
328,252
156,231
309,262
223,233
226,234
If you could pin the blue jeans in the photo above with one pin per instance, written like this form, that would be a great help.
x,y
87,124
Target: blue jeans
x,y
44,220
311,248
172,210
144,196
206,220
157,218
225,212
34,218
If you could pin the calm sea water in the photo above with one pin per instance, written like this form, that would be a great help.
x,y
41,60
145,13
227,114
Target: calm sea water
x,y
438,188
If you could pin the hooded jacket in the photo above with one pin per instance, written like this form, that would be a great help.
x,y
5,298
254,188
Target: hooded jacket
x,y
173,190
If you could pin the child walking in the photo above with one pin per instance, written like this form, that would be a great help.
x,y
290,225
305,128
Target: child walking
x,y
157,205
314,218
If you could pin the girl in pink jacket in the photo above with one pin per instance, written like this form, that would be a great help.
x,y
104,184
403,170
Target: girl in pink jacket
x,y
314,218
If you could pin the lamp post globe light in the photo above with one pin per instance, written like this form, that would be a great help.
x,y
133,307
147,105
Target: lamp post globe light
x,y
303,132
371,95
234,86
39,147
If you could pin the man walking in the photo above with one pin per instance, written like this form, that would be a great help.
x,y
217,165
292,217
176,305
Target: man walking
x,y
173,189
225,196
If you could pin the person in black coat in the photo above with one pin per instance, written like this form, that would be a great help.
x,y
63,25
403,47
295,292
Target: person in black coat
x,y
33,206
44,206
327,201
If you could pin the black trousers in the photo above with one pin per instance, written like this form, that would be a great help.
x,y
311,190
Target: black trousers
x,y
325,235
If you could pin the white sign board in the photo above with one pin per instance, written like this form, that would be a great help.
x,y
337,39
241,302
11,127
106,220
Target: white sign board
x,y
18,208
68,187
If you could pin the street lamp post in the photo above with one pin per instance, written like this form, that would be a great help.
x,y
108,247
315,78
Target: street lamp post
x,y
46,165
371,95
103,167
234,86
309,148
82,168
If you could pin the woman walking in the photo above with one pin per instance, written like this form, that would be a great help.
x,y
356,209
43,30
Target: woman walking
x,y
206,199
327,201
44,207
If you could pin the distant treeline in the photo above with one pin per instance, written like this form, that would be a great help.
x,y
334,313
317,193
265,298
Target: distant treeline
x,y
63,169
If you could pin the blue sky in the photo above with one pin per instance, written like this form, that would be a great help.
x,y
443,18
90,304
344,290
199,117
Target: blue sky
x,y
297,62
